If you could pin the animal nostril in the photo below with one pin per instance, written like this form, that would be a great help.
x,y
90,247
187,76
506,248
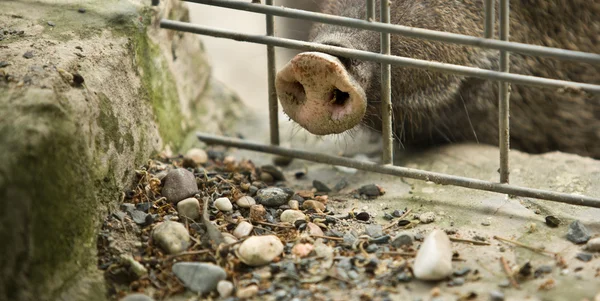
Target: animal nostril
x,y
339,97
296,91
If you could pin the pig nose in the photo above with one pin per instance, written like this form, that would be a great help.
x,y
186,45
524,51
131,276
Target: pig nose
x,y
317,92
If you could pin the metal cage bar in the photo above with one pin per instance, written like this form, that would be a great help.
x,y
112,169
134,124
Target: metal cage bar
x,y
504,96
407,31
387,156
271,72
490,16
370,11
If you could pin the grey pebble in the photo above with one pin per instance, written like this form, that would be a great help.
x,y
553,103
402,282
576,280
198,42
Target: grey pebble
x,y
353,275
340,185
397,213
4,64
136,297
496,296
320,186
419,237
349,239
543,269
374,230
458,281
273,197
427,217
28,54
179,184
52,24
578,233
171,236
585,257
120,215
402,239
485,223
140,217
462,272
199,277
370,190
372,248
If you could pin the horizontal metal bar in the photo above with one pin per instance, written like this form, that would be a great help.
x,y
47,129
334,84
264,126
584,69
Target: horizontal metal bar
x,y
376,57
407,31
412,173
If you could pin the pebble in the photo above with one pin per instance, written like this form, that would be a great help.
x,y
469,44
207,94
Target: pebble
x,y
434,258
243,229
275,172
245,201
458,281
260,250
140,217
28,54
4,64
179,184
585,257
374,230
315,205
189,208
397,213
273,196
136,267
496,296
320,186
340,185
225,288
363,216
427,217
486,223
136,297
578,233
247,292
257,213
313,229
593,245
370,190
461,272
552,221
199,277
172,237
223,204
541,270
197,155
81,10
51,24
294,205
290,216
228,238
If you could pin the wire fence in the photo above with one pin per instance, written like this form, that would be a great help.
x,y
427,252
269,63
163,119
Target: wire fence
x,y
503,77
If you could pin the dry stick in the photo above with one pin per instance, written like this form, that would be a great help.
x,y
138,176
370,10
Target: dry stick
x,y
539,250
396,221
508,272
190,253
400,253
475,242
273,225
327,237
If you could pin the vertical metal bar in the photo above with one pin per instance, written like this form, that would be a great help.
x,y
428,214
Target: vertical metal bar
x,y
490,15
504,95
370,10
273,106
386,92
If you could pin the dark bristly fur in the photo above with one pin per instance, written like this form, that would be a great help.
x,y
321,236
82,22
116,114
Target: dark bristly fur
x,y
433,108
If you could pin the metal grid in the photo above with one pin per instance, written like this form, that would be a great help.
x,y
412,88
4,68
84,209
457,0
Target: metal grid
x,y
503,77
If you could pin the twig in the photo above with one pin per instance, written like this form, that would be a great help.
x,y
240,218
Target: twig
x,y
412,254
539,250
274,225
189,253
508,272
475,242
395,222
327,237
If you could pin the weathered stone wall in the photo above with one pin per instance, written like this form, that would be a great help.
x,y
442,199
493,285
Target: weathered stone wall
x,y
68,147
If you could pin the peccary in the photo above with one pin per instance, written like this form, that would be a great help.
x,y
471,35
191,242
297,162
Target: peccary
x,y
329,95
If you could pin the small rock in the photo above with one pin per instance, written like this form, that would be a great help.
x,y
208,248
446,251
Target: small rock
x,y
313,229
28,54
370,190
247,292
419,237
245,201
486,223
4,64
302,250
552,221
294,205
81,10
372,248
273,197
461,272
320,186
541,270
363,216
401,240
397,213
136,267
228,238
257,213
51,24
223,204
140,217
593,245
197,155
179,184
290,216
340,185
427,217
252,190
578,233
189,208
243,229
282,161
349,239
434,258
374,230
260,250
225,288
145,206
172,237
496,296
315,205
137,297
458,281
199,277
525,270
275,173
585,257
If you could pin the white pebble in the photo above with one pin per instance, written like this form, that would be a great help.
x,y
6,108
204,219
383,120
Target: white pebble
x,y
189,208
223,204
245,201
172,237
260,250
294,204
225,288
593,245
228,238
197,155
247,292
290,216
243,229
434,258
427,217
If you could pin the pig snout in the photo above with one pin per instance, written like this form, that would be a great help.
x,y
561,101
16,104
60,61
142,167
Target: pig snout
x,y
317,92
